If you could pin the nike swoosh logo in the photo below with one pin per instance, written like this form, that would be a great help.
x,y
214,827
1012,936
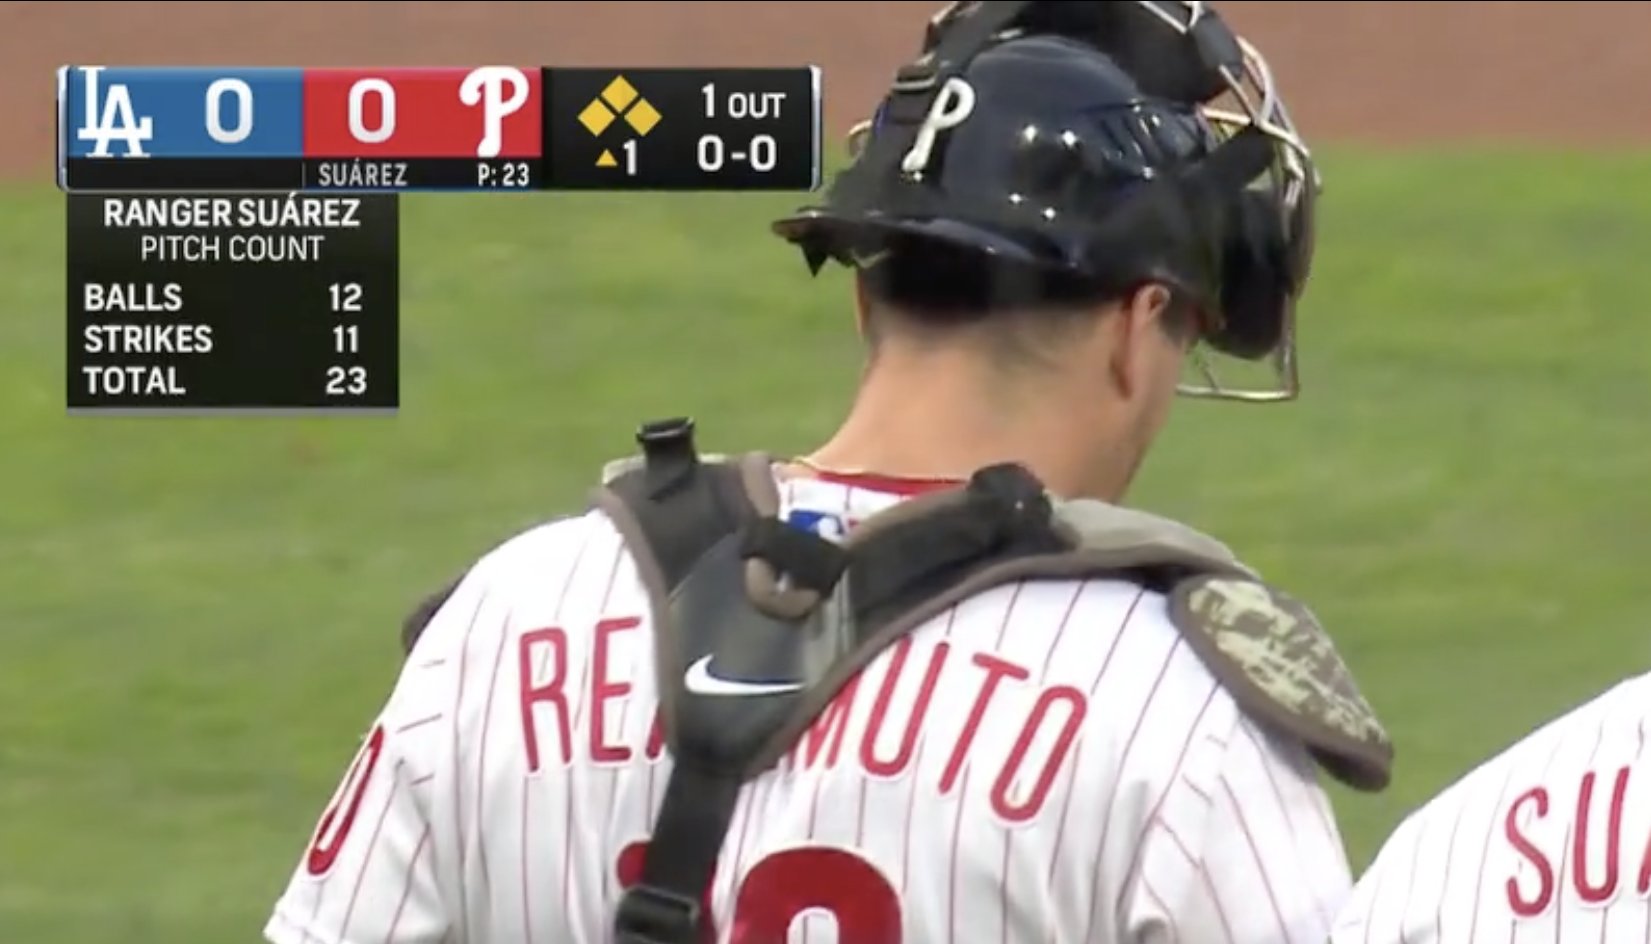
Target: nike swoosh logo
x,y
700,681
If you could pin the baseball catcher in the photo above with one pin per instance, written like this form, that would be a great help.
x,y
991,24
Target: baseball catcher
x,y
932,681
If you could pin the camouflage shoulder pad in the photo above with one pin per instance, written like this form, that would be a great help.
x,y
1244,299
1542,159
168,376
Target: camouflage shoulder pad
x,y
1275,658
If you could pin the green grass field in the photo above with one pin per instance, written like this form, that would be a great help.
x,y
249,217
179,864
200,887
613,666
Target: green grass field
x,y
198,617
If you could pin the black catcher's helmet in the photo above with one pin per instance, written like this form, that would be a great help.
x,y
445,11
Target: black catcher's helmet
x,y
1111,141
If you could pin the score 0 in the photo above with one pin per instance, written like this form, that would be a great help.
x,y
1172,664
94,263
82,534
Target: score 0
x,y
762,154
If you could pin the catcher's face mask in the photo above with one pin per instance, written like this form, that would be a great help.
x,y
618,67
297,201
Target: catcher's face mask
x,y
1270,247
1259,176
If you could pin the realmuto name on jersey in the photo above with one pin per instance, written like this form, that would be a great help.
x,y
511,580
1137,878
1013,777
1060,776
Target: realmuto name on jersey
x,y
865,725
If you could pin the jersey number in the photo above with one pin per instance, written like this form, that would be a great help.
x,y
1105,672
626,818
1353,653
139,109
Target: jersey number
x,y
341,812
792,881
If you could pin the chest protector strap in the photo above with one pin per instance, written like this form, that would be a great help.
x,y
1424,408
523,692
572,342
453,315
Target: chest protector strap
x,y
758,625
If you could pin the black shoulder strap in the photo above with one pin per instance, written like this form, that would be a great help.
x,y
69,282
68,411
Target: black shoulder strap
x,y
782,618
697,511
674,510
682,505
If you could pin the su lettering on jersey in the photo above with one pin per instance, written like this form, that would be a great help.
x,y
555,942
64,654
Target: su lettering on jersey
x,y
1549,840
884,747
1577,867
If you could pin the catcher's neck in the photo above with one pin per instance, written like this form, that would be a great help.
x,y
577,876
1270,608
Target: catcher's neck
x,y
934,415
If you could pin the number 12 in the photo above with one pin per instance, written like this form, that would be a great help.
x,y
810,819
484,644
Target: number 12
x,y
345,296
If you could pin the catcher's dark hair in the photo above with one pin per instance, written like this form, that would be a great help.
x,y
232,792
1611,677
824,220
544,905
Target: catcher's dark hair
x,y
933,286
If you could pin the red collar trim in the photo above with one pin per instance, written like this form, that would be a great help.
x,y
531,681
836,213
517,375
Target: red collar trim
x,y
890,484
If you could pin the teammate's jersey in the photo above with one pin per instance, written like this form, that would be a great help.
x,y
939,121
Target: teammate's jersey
x,y
1045,763
1549,841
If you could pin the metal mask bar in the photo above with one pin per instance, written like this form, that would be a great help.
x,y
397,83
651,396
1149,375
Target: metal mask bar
x,y
1292,178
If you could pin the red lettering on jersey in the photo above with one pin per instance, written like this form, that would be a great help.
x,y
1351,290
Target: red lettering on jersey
x,y
604,690
996,671
792,882
1020,812
914,722
656,737
1644,883
340,814
550,691
1590,893
1522,906
830,727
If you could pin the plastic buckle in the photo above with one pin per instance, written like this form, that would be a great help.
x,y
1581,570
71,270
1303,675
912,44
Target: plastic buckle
x,y
666,433
668,453
1015,494
650,915
918,76
1217,45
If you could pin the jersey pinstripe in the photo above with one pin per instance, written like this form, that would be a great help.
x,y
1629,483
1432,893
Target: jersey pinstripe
x,y
1046,762
1549,841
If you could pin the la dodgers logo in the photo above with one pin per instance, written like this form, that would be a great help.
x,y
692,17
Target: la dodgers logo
x,y
110,117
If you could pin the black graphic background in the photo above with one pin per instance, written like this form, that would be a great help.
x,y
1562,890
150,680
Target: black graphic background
x,y
272,322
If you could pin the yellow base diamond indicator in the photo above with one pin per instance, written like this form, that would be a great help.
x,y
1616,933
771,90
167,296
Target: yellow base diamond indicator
x,y
643,117
613,101
681,129
619,93
596,117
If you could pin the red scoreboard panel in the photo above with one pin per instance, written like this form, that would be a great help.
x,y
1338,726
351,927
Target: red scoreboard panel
x,y
422,128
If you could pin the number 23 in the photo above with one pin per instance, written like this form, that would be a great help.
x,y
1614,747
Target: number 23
x,y
515,175
784,885
346,381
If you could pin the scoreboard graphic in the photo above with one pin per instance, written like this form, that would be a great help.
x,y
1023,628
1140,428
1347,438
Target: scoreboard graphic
x,y
233,237
490,128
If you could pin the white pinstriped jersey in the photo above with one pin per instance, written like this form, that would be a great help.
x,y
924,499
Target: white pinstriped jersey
x,y
1047,763
1549,841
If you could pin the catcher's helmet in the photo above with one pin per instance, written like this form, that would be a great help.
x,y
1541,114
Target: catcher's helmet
x,y
1084,140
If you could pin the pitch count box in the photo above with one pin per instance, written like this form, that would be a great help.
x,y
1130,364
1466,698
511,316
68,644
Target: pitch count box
x,y
267,302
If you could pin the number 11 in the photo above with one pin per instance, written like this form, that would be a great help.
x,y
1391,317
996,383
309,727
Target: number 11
x,y
346,339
